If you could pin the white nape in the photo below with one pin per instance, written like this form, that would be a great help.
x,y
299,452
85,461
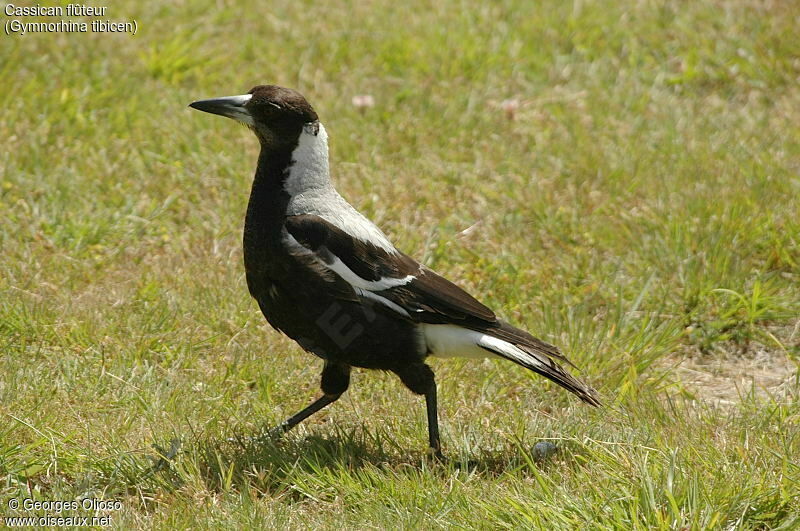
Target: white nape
x,y
311,192
309,169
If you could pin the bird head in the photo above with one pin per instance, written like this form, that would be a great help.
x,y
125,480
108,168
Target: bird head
x,y
277,115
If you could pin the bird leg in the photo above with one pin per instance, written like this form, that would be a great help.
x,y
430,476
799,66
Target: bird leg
x,y
297,418
420,379
335,381
433,421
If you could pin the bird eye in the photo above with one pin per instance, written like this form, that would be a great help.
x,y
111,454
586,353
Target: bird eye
x,y
274,104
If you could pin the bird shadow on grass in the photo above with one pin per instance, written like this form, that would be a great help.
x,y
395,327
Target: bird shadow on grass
x,y
277,465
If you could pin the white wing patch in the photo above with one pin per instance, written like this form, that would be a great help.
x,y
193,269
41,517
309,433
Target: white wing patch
x,y
294,245
383,300
361,286
341,269
340,213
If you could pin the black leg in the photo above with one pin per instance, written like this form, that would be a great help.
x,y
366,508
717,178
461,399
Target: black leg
x,y
296,419
419,378
335,381
433,421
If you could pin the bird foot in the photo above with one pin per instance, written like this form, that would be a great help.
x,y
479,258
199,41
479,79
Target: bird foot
x,y
436,455
269,435
275,433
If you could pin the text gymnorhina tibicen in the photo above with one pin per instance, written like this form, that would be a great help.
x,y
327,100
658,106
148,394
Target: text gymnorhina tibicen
x,y
327,277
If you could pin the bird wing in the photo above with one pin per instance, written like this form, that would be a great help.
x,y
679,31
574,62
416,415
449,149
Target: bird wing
x,y
357,268
390,277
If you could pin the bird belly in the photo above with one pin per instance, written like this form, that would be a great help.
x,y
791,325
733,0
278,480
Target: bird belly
x,y
359,334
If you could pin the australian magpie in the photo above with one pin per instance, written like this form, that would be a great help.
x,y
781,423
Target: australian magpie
x,y
328,278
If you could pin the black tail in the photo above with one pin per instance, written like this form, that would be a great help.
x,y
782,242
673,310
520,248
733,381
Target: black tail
x,y
538,356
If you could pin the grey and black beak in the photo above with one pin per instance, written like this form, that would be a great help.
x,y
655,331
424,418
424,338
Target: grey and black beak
x,y
230,107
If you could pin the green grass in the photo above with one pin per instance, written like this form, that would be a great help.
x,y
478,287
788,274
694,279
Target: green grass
x,y
640,210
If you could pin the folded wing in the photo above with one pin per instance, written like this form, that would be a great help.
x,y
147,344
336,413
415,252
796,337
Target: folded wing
x,y
412,291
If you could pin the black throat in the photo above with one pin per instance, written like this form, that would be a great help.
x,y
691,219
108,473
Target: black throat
x,y
266,212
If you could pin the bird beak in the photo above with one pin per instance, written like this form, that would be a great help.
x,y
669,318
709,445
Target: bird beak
x,y
230,107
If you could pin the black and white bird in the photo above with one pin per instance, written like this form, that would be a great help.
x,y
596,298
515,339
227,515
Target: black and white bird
x,y
328,278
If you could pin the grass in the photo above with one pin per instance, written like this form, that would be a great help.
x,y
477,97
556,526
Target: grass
x,y
639,208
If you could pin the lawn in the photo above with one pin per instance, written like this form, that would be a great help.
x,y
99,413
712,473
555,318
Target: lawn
x,y
621,179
